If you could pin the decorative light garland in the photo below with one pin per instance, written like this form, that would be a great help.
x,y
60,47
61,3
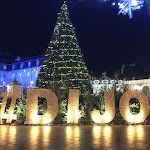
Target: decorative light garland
x,y
128,6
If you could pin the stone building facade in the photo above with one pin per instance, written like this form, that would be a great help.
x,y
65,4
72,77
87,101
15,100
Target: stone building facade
x,y
24,71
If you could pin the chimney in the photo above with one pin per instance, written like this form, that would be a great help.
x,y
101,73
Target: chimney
x,y
122,69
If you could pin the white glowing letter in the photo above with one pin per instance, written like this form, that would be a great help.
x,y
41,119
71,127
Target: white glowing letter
x,y
109,109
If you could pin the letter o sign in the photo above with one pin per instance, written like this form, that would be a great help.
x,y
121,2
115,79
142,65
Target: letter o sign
x,y
125,110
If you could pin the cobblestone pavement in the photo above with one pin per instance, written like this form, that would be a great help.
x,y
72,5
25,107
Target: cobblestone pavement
x,y
136,137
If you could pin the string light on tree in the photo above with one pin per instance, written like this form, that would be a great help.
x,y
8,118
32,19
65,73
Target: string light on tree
x,y
63,62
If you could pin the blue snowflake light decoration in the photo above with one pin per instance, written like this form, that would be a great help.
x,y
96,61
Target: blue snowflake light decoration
x,y
127,6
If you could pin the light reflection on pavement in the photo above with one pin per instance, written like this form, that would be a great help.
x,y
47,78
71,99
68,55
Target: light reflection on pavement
x,y
132,137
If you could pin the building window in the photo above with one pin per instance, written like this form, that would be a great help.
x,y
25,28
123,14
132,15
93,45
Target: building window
x,y
13,67
20,75
29,64
21,65
37,62
36,74
13,75
4,67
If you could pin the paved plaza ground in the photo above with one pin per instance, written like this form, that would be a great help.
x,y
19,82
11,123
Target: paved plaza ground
x,y
132,137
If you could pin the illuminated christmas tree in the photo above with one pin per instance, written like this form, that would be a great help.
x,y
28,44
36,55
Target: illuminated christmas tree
x,y
63,64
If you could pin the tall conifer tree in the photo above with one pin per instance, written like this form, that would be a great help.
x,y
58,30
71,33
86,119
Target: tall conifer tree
x,y
63,63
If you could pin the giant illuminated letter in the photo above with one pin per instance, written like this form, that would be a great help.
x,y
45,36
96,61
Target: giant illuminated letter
x,y
15,95
73,106
125,110
32,116
109,109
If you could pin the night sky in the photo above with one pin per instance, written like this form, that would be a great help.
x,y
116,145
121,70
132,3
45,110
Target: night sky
x,y
107,40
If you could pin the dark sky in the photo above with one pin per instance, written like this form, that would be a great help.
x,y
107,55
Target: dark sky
x,y
107,40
